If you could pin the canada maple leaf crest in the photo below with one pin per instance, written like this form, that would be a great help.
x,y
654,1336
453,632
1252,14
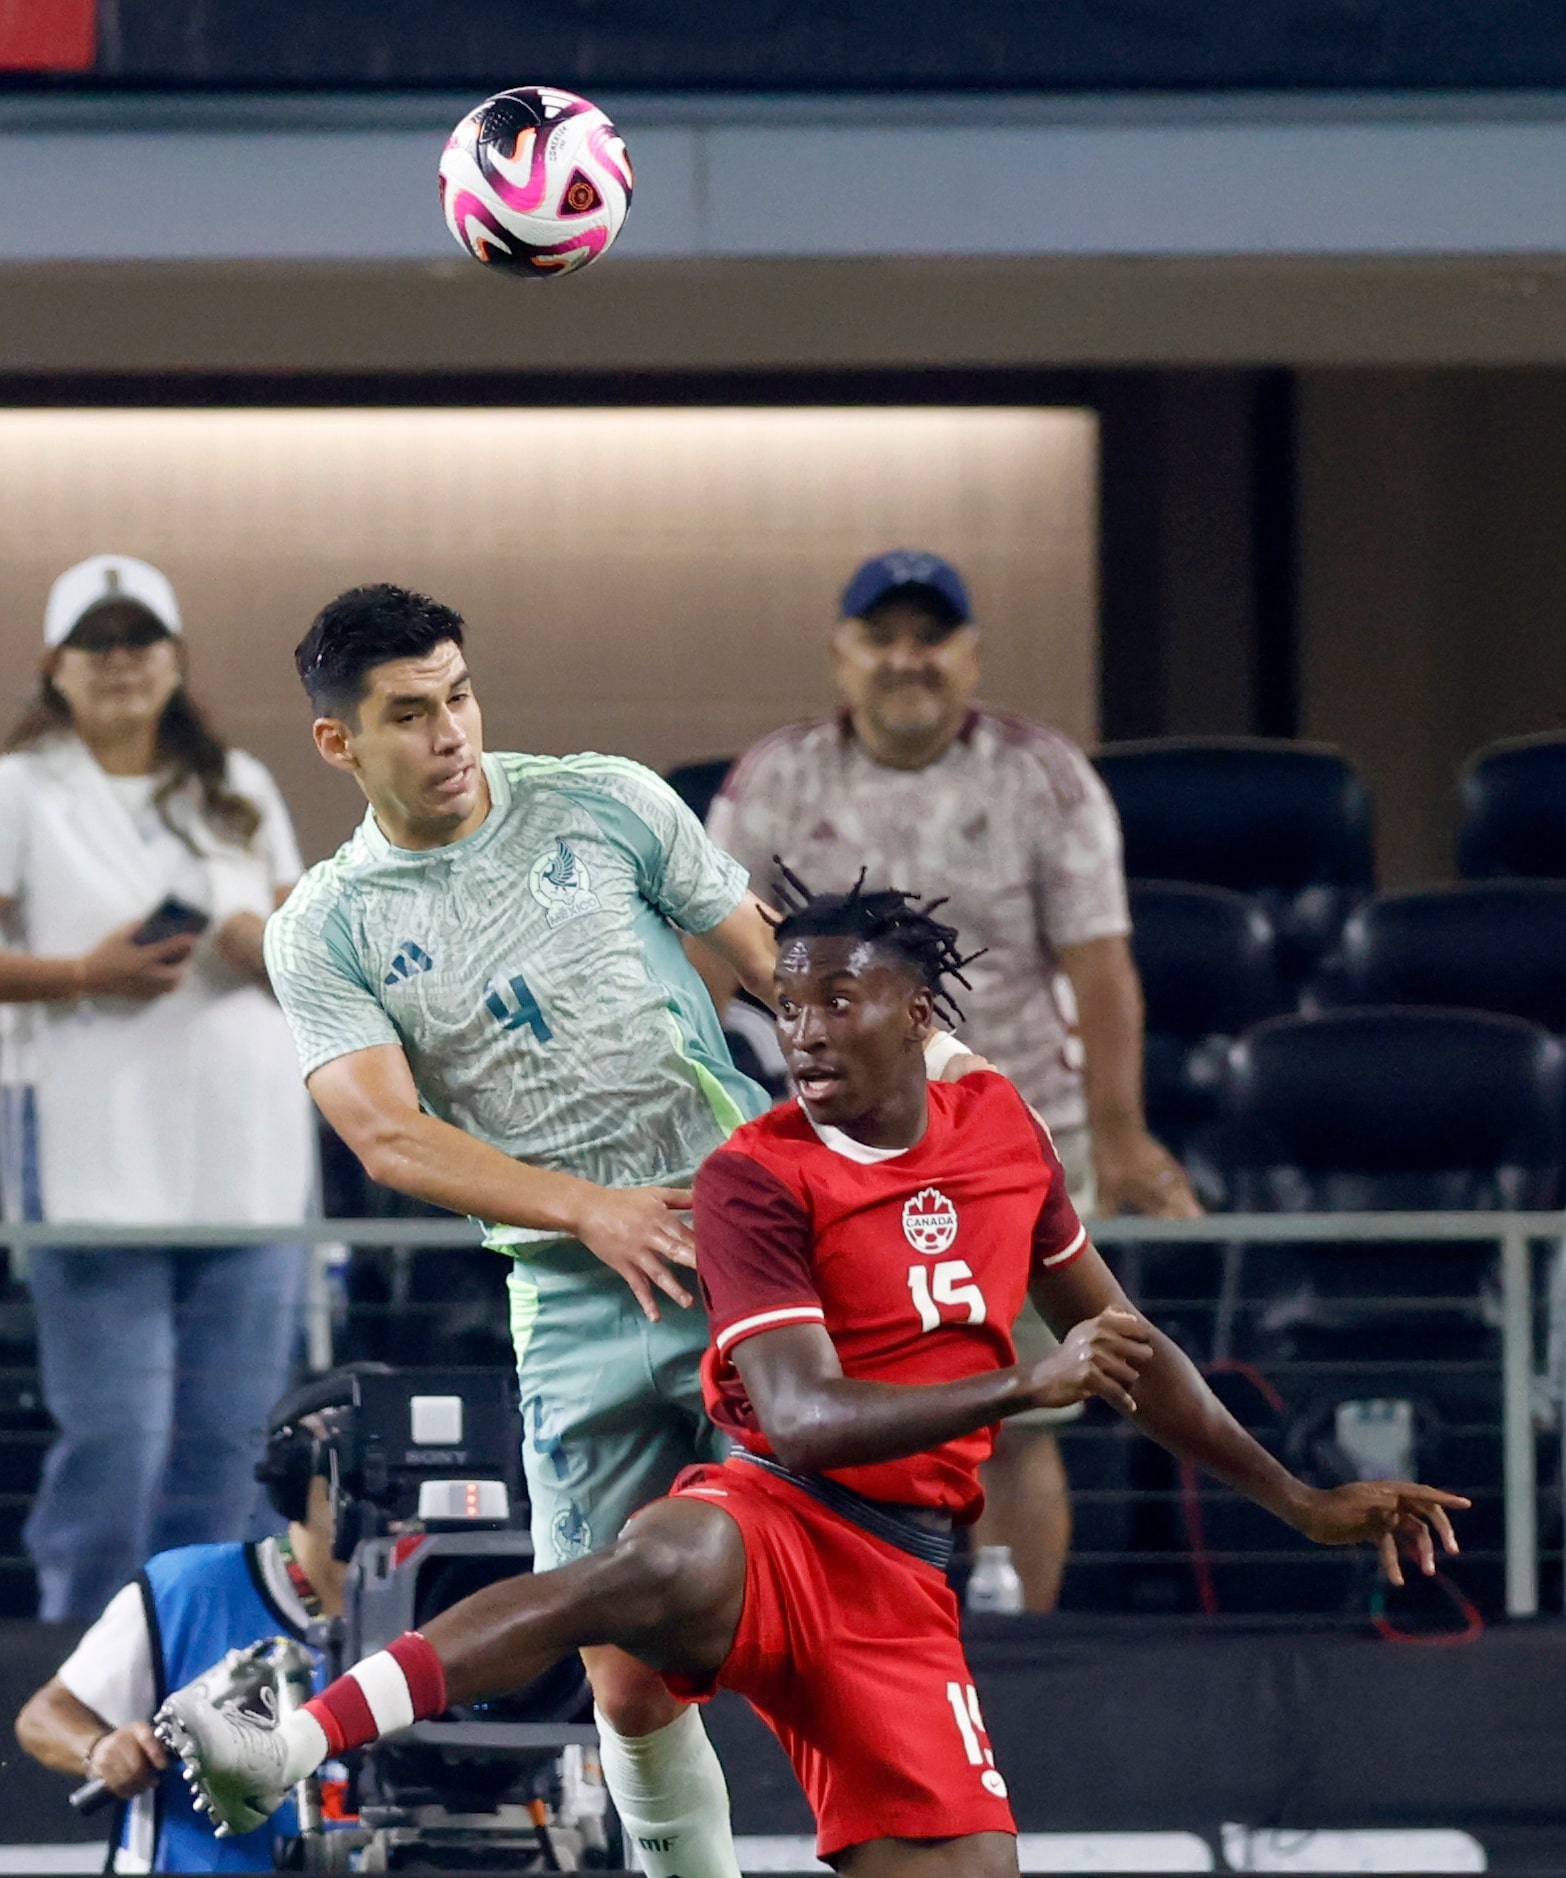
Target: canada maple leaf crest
x,y
929,1221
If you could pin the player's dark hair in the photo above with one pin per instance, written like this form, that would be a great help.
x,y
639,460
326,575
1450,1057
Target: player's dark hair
x,y
886,918
362,628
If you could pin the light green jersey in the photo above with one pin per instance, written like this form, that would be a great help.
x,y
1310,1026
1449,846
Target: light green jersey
x,y
533,973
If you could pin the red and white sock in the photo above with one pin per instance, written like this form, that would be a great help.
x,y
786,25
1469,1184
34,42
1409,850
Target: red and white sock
x,y
385,1693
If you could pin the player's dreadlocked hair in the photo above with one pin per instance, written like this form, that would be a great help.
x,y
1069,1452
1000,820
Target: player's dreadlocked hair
x,y
887,917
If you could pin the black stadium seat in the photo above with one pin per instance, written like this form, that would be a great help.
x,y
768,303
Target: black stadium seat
x,y
1205,956
1485,946
1513,822
1288,822
1375,1109
1391,1107
697,783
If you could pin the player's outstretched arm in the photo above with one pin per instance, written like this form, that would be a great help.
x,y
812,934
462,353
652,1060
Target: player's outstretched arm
x,y
1176,1407
815,1417
369,1098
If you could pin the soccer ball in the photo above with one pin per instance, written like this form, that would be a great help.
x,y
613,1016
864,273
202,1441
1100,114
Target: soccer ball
x,y
535,181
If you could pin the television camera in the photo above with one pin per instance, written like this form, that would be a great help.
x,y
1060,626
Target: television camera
x,y
423,1471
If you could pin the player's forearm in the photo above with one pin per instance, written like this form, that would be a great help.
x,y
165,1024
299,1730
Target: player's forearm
x,y
427,1158
57,1730
1176,1407
843,1422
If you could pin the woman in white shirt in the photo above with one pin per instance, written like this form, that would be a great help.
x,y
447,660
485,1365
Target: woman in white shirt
x,y
161,1085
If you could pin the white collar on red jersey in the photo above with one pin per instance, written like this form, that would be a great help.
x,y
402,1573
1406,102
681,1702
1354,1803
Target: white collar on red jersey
x,y
846,1145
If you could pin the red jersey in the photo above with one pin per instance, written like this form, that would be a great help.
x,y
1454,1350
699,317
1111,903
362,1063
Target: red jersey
x,y
916,1260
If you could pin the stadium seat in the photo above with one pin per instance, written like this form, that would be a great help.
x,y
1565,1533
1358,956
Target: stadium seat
x,y
1205,956
1288,822
1383,1108
1495,945
697,783
1387,1107
1513,817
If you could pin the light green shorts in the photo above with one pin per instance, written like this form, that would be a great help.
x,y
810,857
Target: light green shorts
x,y
611,1404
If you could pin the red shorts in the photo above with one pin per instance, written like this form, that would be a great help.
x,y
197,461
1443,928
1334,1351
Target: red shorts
x,y
849,1650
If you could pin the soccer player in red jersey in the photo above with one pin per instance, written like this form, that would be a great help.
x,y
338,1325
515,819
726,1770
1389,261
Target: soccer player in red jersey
x,y
863,1251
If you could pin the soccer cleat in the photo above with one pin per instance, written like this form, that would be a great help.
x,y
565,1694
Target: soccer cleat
x,y
240,1676
233,1758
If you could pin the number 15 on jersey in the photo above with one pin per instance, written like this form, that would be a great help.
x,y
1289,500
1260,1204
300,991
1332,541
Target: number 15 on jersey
x,y
946,1293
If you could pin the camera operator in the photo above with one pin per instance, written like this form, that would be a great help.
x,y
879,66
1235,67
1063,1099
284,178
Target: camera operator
x,y
178,1618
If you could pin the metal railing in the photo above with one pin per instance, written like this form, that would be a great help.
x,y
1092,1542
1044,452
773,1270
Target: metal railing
x,y
1514,1234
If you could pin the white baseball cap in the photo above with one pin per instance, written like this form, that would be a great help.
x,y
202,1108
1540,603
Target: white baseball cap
x,y
107,577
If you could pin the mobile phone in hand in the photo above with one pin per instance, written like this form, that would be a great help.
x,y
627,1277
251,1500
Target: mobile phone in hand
x,y
170,919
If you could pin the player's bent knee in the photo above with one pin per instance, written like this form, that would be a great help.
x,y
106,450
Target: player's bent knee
x,y
648,1575
679,1583
679,1558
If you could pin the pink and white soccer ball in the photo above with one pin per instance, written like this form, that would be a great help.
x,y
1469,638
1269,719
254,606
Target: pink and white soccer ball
x,y
535,181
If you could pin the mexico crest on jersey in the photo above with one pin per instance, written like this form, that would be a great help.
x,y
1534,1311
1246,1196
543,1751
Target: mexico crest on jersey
x,y
930,1221
561,885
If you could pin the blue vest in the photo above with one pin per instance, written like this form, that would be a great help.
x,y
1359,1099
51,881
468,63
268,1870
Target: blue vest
x,y
203,1601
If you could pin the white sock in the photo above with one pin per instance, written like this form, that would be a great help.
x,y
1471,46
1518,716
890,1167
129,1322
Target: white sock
x,y
305,1741
671,1797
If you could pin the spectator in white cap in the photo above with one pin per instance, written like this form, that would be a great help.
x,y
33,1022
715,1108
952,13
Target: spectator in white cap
x,y
937,794
151,1083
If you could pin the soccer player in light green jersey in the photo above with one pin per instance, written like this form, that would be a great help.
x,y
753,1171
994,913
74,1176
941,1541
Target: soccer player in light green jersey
x,y
494,1009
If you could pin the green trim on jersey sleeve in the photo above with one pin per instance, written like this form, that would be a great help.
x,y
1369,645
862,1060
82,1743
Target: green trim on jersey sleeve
x,y
337,937
732,1097
621,824
707,883
318,975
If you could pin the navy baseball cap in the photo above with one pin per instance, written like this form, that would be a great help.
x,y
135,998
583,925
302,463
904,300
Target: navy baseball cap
x,y
889,574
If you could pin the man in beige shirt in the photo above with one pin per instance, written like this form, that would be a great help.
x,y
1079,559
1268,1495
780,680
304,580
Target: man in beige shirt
x,y
935,794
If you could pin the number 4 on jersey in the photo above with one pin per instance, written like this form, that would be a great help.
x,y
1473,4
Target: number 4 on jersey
x,y
515,1008
943,1293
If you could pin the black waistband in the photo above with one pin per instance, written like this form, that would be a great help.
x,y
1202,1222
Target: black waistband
x,y
901,1526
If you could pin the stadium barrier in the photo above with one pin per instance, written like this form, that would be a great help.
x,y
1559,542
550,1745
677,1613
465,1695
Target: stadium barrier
x,y
1125,1240
1515,1235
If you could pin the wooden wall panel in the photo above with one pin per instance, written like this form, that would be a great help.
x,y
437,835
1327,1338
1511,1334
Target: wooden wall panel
x,y
653,582
1432,583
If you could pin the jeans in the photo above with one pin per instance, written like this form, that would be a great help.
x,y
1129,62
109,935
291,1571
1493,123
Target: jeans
x,y
160,1368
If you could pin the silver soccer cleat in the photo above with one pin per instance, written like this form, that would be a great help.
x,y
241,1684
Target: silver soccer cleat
x,y
241,1675
233,1755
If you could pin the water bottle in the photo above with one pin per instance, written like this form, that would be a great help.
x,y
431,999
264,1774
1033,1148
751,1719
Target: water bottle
x,y
993,1584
